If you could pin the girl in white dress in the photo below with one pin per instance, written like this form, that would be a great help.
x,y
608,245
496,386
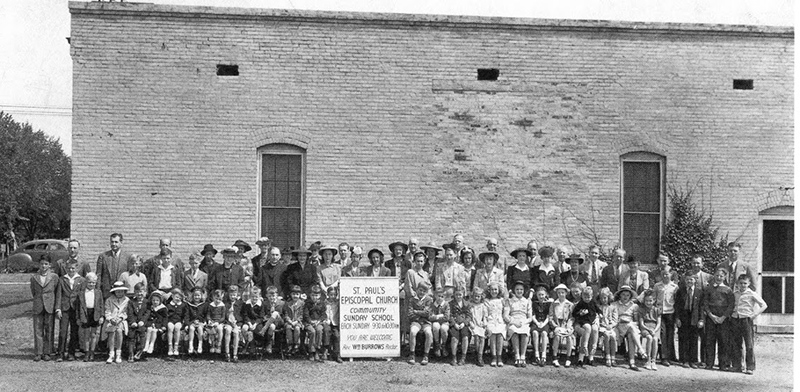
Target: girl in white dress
x,y
495,325
477,325
518,316
561,321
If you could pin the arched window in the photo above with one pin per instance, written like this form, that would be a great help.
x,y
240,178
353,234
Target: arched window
x,y
282,194
643,203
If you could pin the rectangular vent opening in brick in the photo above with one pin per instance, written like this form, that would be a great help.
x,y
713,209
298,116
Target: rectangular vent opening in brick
x,y
488,73
742,84
227,70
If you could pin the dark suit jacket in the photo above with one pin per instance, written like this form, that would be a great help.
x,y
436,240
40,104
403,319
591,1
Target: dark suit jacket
x,y
741,268
189,282
693,315
221,278
305,277
155,279
608,278
138,312
109,268
67,298
44,296
99,306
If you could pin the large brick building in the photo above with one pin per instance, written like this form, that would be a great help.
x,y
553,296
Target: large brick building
x,y
212,124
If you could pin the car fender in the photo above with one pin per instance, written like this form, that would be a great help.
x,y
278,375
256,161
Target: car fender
x,y
20,262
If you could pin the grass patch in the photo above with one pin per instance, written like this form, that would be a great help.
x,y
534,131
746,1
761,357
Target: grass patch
x,y
397,380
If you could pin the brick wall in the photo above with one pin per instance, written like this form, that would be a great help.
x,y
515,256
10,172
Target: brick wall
x,y
401,139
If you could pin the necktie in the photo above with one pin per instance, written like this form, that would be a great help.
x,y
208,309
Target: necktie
x,y
594,273
689,300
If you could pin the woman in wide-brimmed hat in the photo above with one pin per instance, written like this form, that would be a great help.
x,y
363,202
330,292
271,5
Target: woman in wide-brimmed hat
x,y
574,275
490,272
398,250
431,256
208,264
377,268
302,273
520,272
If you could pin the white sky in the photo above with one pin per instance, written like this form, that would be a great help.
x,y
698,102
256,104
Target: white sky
x,y
36,69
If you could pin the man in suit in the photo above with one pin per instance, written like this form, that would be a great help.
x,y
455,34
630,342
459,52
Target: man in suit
x,y
152,263
634,278
272,271
594,268
736,267
69,286
702,278
227,274
193,277
166,276
43,291
111,264
688,308
613,272
83,267
258,261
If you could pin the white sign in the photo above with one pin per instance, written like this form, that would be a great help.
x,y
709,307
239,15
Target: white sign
x,y
369,317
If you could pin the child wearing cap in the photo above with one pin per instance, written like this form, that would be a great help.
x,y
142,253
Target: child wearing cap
x,y
116,314
626,323
314,314
138,313
460,317
293,319
419,312
562,324
196,317
518,316
477,324
540,325
495,325
157,323
215,321
273,307
177,314
233,324
90,315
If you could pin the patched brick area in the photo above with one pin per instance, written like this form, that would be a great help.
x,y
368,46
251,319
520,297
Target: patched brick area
x,y
401,138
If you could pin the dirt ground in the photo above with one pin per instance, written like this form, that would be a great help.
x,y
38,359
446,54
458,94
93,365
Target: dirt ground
x,y
18,372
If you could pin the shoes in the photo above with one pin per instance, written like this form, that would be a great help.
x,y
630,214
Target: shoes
x,y
664,363
119,356
748,372
567,363
499,362
516,363
578,364
707,367
608,362
45,357
339,359
191,350
235,359
70,357
37,358
555,363
130,358
445,353
411,360
59,358
633,367
735,370
453,361
437,352
524,363
653,366
110,358
480,360
494,362
541,362
424,360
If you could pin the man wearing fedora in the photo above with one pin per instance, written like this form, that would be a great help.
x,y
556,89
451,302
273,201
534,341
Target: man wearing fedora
x,y
227,274
260,259
208,263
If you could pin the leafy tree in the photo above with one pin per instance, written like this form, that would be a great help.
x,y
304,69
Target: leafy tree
x,y
691,232
35,175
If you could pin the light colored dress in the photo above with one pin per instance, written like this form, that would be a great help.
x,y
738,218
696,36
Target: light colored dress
x,y
519,310
116,307
560,314
495,323
626,318
608,320
480,312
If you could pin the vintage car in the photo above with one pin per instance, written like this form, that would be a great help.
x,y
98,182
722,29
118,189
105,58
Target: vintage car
x,y
26,258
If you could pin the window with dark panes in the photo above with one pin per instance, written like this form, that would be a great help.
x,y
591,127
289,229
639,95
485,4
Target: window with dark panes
x,y
282,198
642,206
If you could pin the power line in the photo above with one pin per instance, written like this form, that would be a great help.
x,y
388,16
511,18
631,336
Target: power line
x,y
36,107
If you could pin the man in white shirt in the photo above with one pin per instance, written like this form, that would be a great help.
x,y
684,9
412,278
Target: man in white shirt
x,y
593,267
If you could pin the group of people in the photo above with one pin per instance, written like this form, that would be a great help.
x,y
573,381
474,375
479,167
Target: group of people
x,y
454,296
